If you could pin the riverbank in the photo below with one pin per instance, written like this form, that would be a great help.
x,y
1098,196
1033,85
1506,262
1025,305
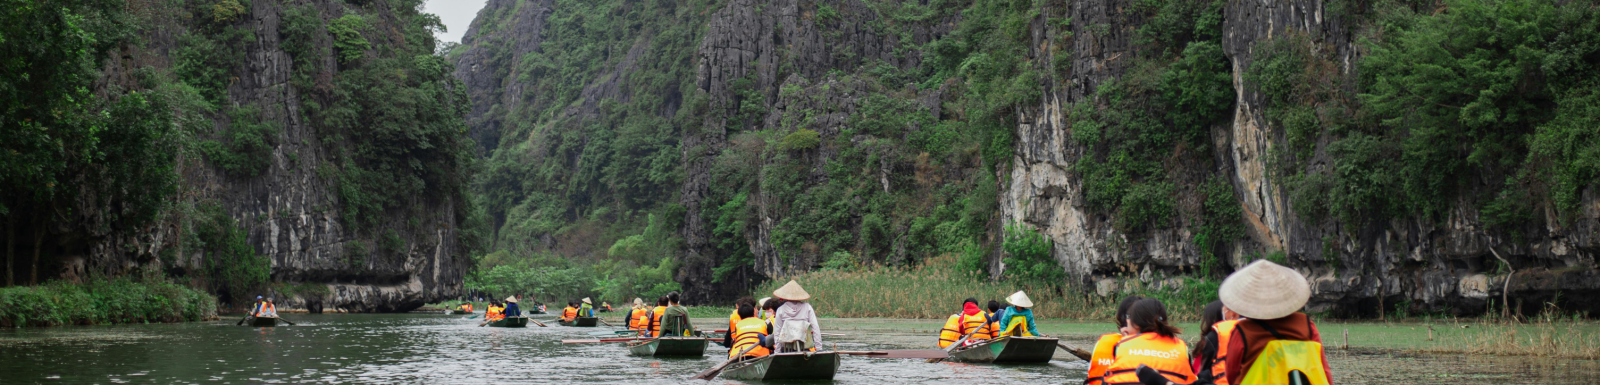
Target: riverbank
x,y
99,302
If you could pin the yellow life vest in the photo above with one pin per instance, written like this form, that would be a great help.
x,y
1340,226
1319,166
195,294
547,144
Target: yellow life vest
x,y
979,322
951,331
1018,323
748,332
1167,355
1219,368
1282,358
1104,355
655,320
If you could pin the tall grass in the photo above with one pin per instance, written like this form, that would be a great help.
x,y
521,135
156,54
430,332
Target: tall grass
x,y
112,301
1545,336
933,290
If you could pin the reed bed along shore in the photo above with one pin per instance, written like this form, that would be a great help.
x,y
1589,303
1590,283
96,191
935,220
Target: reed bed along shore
x,y
1561,338
933,290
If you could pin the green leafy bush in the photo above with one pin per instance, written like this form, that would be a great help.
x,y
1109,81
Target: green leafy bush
x,y
250,140
347,39
800,140
102,301
1030,257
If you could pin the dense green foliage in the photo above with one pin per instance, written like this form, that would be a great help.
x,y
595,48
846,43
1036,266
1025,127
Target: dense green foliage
x,y
98,302
1030,257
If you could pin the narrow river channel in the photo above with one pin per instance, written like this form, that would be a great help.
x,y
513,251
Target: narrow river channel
x,y
439,349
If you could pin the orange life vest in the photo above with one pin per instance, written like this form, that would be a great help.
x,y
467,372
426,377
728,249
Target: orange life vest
x,y
733,321
1219,369
951,331
569,313
634,321
493,314
655,320
1104,355
748,332
979,322
1167,355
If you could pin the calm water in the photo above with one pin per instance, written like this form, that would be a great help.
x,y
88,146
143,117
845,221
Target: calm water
x,y
439,349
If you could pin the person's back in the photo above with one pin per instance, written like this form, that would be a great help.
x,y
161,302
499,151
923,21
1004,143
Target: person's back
x,y
675,320
1156,345
1018,322
586,310
747,334
512,310
569,313
1275,342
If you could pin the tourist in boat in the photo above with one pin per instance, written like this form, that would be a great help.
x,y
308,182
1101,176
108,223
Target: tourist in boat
x,y
266,309
1154,354
793,318
1104,350
971,319
761,309
511,308
635,320
750,330
733,319
605,307
653,317
570,312
1018,319
495,312
1208,369
1269,298
675,319
769,308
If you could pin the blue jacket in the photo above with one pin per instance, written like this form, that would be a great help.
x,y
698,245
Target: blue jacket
x,y
512,310
1017,311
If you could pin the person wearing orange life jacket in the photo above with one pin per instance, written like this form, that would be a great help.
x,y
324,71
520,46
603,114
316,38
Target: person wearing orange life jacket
x,y
1207,363
493,314
733,319
265,309
1275,343
971,319
750,332
634,314
570,312
1154,354
1105,348
654,317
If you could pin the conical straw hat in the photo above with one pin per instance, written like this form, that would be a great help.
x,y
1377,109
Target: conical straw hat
x,y
586,300
511,299
1265,290
792,292
1019,299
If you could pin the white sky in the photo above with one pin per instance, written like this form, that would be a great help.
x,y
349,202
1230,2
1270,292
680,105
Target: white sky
x,y
456,14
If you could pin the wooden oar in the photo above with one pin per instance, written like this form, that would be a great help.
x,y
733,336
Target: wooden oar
x,y
908,353
286,321
605,340
603,320
536,322
715,370
954,346
241,320
1082,355
611,333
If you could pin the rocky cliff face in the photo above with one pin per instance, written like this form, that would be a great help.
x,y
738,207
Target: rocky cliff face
x,y
292,210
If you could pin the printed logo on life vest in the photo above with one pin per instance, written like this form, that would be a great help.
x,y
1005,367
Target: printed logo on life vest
x,y
1107,362
1170,354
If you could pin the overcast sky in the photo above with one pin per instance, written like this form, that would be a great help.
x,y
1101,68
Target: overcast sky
x,y
456,14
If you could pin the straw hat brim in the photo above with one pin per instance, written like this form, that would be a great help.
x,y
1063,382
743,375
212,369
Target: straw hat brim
x,y
586,300
512,299
1264,291
791,292
1019,299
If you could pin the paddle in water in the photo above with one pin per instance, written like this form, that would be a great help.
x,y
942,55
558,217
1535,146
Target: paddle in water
x,y
247,317
906,353
536,322
286,321
954,346
606,340
715,370
1082,355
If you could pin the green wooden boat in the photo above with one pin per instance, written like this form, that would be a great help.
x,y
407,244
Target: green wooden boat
x,y
264,322
511,322
786,366
1008,350
585,322
670,346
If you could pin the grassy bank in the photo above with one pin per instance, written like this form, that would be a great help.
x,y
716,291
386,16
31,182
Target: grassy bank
x,y
934,289
103,302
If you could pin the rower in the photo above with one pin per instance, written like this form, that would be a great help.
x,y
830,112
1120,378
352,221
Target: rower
x,y
1154,353
586,309
750,330
675,319
511,309
794,318
653,318
1104,350
256,307
267,309
1018,319
1275,343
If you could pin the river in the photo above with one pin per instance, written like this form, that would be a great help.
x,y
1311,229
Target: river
x,y
439,349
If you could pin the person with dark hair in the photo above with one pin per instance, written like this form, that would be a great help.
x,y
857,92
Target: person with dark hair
x,y
769,308
733,319
1276,342
1105,348
972,320
750,332
655,316
1205,352
994,315
570,312
675,319
1154,355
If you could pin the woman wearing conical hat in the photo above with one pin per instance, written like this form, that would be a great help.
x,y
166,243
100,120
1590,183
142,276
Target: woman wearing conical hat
x,y
1018,319
1269,296
795,309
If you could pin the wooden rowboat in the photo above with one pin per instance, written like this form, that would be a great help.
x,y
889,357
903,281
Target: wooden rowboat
x,y
786,366
586,322
264,322
1008,350
510,322
670,346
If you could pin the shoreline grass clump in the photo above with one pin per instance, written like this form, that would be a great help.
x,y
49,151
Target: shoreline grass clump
x,y
932,290
1542,337
101,301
